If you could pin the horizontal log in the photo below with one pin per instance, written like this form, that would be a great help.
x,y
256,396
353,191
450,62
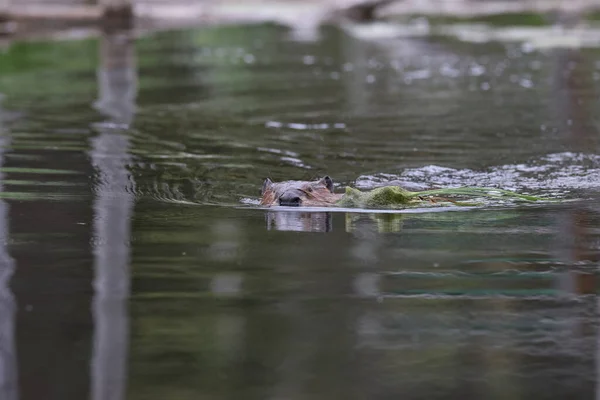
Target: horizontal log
x,y
54,12
285,10
482,8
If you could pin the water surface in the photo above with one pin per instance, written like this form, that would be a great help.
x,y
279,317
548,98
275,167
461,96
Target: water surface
x,y
136,265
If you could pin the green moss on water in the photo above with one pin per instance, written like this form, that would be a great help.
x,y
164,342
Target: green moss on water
x,y
397,197
377,198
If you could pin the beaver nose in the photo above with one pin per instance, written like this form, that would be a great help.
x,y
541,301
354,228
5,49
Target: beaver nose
x,y
290,199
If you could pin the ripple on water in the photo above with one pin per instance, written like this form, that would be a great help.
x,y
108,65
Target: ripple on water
x,y
303,126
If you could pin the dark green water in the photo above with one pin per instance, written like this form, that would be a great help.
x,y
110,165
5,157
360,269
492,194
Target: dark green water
x,y
135,264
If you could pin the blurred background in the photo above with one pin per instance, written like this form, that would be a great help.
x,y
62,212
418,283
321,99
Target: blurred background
x,y
135,262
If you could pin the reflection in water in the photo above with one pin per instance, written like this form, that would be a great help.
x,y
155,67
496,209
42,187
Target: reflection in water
x,y
225,246
299,221
572,80
230,334
117,77
113,207
307,221
226,285
8,363
385,222
366,284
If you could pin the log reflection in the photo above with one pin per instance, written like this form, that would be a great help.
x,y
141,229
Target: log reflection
x,y
299,221
113,208
8,356
573,81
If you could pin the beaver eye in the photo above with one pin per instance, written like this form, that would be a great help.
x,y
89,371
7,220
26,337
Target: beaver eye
x,y
310,189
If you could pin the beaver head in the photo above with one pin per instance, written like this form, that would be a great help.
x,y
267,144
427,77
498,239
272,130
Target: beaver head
x,y
299,193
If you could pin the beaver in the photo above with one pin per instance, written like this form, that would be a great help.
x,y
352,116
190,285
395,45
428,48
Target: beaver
x,y
299,193
320,193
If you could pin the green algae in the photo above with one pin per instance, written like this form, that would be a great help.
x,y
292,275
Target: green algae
x,y
380,197
397,197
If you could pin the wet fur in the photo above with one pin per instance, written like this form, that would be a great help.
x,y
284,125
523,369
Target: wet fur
x,y
312,194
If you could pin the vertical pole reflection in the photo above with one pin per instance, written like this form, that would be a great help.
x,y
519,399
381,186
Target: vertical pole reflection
x,y
117,77
113,207
573,83
8,357
355,52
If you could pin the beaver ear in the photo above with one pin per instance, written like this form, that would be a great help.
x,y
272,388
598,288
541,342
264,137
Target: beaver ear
x,y
328,182
266,185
